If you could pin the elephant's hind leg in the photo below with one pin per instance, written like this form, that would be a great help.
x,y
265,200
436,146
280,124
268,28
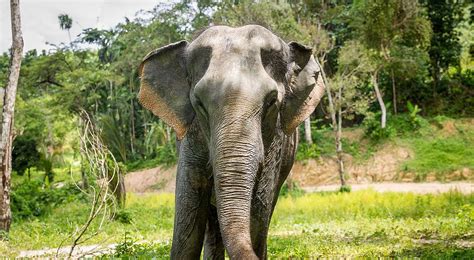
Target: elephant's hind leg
x,y
213,244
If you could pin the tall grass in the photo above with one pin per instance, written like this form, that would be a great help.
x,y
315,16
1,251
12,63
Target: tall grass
x,y
362,223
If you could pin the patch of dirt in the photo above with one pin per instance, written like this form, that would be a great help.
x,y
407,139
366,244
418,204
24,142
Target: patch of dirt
x,y
353,134
384,165
449,128
419,188
156,179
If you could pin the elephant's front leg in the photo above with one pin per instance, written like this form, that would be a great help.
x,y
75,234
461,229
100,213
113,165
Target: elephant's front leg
x,y
193,190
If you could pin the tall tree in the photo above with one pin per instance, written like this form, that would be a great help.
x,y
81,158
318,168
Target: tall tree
x,y
6,137
445,49
382,26
65,23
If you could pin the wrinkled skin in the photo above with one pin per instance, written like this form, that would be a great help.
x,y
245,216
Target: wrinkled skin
x,y
234,96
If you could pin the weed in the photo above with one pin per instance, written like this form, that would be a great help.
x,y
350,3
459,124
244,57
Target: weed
x,y
123,216
292,189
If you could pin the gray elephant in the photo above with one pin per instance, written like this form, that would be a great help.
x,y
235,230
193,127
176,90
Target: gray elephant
x,y
235,97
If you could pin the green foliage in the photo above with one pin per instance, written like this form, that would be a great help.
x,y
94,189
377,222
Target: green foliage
x,y
445,16
292,189
123,216
113,137
413,115
33,199
166,154
130,248
277,17
345,188
65,22
373,129
24,155
323,142
409,124
308,151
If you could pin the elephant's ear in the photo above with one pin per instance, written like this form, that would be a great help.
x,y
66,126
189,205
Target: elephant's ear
x,y
164,89
305,89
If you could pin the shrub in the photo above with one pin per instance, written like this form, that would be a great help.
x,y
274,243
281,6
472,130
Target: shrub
x,y
345,188
373,129
31,199
292,189
307,151
129,248
123,216
166,154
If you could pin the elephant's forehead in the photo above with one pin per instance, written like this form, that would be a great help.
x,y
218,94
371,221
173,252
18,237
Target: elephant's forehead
x,y
241,40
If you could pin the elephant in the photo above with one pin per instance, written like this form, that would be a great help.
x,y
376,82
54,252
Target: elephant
x,y
235,97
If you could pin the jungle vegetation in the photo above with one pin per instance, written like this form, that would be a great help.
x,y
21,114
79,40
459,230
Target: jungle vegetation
x,y
394,68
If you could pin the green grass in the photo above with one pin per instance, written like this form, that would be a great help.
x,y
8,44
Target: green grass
x,y
363,223
440,152
441,155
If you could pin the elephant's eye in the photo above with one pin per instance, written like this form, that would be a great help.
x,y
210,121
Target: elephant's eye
x,y
271,100
200,108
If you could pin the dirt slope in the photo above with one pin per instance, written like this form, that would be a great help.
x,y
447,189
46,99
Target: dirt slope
x,y
156,179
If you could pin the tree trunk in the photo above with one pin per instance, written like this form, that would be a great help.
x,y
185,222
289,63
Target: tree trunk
x,y
379,99
132,118
6,137
336,125
339,151
394,93
307,131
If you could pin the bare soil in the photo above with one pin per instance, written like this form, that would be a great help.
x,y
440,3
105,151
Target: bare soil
x,y
419,188
382,167
160,179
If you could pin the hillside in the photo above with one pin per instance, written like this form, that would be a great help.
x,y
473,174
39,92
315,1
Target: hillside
x,y
442,150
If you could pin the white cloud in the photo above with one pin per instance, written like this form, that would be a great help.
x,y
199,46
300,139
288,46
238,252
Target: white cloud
x,y
40,18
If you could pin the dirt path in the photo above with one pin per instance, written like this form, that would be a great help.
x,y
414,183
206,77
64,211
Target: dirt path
x,y
163,180
419,188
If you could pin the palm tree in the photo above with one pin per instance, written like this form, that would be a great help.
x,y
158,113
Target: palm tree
x,y
65,23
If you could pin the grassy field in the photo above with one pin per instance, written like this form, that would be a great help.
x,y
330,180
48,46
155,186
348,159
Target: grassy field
x,y
363,223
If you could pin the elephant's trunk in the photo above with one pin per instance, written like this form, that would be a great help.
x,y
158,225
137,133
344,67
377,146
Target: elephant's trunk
x,y
237,158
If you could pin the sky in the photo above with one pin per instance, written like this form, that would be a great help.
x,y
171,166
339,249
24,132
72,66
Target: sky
x,y
40,23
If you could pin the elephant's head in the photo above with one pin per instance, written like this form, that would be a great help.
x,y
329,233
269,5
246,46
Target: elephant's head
x,y
240,84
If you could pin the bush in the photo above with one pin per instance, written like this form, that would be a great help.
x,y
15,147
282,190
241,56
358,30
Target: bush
x,y
307,151
292,189
323,143
24,155
166,154
129,248
373,129
123,216
345,188
31,199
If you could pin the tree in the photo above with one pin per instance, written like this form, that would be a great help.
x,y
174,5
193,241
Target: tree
x,y
65,23
383,25
347,93
6,137
445,49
